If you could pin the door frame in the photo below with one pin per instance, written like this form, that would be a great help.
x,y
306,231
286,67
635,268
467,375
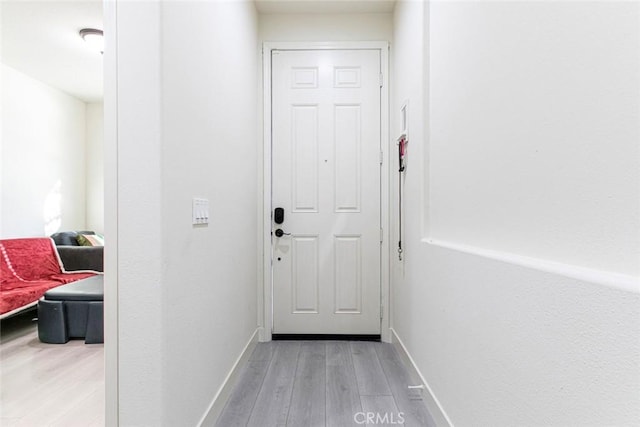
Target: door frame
x,y
265,277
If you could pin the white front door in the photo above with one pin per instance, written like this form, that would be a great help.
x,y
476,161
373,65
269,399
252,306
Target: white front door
x,y
326,177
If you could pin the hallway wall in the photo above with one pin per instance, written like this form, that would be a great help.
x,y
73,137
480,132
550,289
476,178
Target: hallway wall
x,y
186,87
552,105
325,27
518,298
209,61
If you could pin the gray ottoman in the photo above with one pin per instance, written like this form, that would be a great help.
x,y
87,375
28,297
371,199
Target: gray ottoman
x,y
72,311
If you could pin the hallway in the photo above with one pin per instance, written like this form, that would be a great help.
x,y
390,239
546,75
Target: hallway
x,y
517,293
324,383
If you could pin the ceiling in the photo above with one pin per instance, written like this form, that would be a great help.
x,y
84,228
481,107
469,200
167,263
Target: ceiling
x,y
40,39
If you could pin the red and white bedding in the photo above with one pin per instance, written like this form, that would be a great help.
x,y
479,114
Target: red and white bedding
x,y
29,268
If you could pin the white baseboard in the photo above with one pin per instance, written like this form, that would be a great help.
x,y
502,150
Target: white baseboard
x,y
430,400
217,404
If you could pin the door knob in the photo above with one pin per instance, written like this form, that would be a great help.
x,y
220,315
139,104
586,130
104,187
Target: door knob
x,y
280,233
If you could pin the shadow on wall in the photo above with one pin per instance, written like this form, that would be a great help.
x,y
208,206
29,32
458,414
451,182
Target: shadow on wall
x,y
52,212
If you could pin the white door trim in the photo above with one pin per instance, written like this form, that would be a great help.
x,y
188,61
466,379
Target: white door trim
x,y
265,286
111,326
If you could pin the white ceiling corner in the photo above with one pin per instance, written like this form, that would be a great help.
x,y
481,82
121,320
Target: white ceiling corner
x,y
41,40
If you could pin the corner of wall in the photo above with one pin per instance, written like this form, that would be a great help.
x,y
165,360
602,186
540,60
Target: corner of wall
x,y
224,392
434,407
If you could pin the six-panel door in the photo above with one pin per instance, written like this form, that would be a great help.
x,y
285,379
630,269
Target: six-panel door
x,y
326,176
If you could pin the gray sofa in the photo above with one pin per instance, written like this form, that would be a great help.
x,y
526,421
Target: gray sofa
x,y
75,257
74,310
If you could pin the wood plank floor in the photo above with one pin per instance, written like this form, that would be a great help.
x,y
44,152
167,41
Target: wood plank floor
x,y
285,383
324,383
48,384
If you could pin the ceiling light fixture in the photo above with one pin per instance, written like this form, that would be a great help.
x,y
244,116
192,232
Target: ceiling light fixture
x,y
94,38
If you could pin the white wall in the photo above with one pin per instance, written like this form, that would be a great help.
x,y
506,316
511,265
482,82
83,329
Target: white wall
x,y
134,285
209,86
325,27
43,154
95,167
187,85
543,160
519,295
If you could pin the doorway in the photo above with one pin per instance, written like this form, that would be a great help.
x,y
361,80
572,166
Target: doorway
x,y
326,116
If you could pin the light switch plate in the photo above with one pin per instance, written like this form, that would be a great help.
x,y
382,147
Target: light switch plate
x,y
200,211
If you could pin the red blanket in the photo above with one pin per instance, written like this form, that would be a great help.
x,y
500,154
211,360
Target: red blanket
x,y
29,268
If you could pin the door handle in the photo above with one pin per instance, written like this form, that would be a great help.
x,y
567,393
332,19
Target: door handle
x,y
280,233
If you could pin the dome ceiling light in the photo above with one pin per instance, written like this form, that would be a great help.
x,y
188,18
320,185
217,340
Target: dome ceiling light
x,y
94,38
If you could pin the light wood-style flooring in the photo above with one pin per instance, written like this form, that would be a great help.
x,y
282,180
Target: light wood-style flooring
x,y
48,384
324,383
285,383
